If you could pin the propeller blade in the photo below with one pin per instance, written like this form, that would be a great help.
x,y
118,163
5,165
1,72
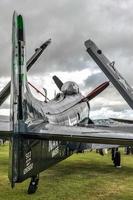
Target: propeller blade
x,y
91,95
97,91
58,82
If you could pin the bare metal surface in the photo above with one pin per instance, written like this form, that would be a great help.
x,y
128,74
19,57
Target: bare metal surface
x,y
111,72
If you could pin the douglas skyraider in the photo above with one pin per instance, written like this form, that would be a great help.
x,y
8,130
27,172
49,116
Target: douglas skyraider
x,y
43,133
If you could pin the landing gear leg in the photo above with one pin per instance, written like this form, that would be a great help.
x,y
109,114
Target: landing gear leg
x,y
116,157
33,184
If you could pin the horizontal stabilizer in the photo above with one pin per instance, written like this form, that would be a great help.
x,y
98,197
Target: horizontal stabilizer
x,y
5,132
90,134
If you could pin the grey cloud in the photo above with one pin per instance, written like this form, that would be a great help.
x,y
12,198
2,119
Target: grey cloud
x,y
94,80
5,105
108,113
69,24
114,108
110,98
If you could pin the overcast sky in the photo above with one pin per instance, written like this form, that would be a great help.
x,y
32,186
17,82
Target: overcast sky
x,y
109,23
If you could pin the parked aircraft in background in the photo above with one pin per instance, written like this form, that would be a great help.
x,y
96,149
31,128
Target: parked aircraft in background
x,y
44,133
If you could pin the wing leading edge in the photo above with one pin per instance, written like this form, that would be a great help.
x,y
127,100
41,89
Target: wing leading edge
x,y
91,134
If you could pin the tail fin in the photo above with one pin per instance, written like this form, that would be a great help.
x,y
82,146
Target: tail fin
x,y
25,156
18,73
28,157
18,88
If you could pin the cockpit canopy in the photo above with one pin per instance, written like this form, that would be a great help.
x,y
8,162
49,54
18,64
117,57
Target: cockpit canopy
x,y
70,88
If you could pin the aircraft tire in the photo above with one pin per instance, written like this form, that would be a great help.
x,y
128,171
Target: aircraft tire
x,y
32,189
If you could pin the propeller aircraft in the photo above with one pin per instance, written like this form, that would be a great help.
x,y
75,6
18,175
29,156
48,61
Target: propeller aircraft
x,y
42,133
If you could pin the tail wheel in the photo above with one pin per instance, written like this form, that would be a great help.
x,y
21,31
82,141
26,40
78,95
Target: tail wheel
x,y
33,185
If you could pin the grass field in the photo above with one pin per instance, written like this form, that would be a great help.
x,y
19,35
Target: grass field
x,y
87,176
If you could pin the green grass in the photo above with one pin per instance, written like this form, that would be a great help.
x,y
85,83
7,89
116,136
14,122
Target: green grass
x,y
87,176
